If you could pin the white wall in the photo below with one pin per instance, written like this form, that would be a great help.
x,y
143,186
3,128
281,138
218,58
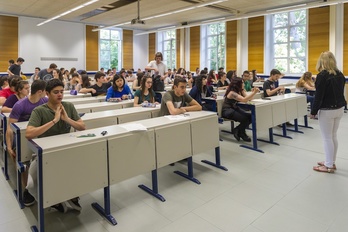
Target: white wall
x,y
140,50
56,39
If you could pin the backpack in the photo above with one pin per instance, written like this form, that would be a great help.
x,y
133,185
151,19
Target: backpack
x,y
158,84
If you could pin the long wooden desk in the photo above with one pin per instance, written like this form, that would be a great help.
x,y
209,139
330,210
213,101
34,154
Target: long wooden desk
x,y
102,154
78,95
84,100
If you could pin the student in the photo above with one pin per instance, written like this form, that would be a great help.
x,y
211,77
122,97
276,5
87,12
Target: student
x,y
74,81
34,76
269,88
174,101
53,118
3,82
15,69
157,66
329,104
21,91
200,90
119,89
145,93
212,78
57,74
21,112
5,93
46,74
101,86
306,83
247,81
137,81
169,77
234,94
222,83
85,85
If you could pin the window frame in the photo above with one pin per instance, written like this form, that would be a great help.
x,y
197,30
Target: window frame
x,y
120,49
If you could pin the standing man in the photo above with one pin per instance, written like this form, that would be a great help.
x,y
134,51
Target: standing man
x,y
157,67
175,101
53,118
46,74
15,69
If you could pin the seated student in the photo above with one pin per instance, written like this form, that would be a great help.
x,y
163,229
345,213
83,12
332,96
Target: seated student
x,y
22,90
74,81
174,101
145,93
119,89
5,93
101,86
247,81
222,83
169,77
201,90
85,85
137,81
306,83
235,93
212,78
53,118
269,88
3,82
21,112
189,79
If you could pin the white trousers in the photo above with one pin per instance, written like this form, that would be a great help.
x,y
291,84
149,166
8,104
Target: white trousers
x,y
329,121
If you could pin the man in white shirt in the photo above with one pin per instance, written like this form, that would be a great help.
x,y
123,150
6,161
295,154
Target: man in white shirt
x,y
157,67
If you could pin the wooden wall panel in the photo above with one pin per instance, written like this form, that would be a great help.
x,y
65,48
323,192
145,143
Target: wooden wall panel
x,y
178,41
231,45
345,40
127,62
8,41
256,43
92,50
318,35
195,42
152,46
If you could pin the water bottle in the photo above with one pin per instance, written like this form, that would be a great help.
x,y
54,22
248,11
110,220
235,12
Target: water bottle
x,y
130,96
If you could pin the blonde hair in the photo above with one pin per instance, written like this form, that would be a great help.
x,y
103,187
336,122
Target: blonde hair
x,y
327,61
305,78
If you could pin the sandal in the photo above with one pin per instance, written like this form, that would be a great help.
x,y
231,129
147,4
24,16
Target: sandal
x,y
323,169
323,164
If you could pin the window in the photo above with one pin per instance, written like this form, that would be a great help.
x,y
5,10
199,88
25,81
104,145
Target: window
x,y
213,46
110,49
167,45
289,41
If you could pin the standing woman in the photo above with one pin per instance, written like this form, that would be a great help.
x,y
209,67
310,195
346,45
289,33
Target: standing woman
x,y
145,93
329,104
118,89
234,94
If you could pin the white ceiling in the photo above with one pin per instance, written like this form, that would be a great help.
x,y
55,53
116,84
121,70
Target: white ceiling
x,y
229,9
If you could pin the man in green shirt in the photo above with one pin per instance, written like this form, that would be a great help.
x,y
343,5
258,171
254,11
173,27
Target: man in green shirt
x,y
177,101
53,118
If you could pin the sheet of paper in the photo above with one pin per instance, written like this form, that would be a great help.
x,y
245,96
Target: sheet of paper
x,y
133,127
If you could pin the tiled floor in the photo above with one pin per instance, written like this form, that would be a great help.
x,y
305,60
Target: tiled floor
x,y
275,191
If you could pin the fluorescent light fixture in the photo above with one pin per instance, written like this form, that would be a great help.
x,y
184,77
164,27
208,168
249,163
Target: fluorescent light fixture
x,y
166,28
286,7
167,13
67,12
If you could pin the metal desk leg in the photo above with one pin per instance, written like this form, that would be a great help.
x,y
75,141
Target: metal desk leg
x,y
105,212
217,163
271,140
295,127
154,190
284,132
188,176
306,123
254,132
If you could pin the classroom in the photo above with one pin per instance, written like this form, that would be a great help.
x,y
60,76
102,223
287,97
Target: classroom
x,y
134,170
